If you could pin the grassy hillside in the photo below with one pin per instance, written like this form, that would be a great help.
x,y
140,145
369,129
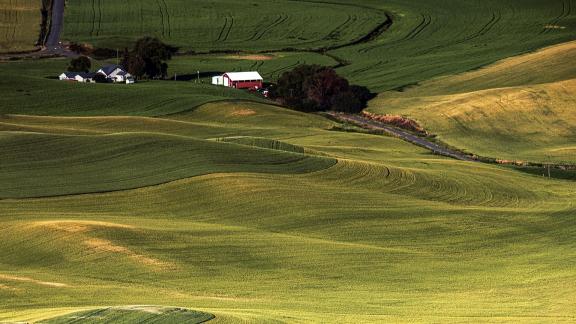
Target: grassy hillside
x,y
426,39
431,38
218,24
32,88
20,22
135,314
201,202
270,65
388,233
521,108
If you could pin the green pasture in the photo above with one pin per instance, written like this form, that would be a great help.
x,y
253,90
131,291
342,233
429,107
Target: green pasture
x,y
173,201
270,66
427,39
32,88
389,232
202,25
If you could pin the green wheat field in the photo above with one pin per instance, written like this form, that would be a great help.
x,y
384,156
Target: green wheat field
x,y
181,202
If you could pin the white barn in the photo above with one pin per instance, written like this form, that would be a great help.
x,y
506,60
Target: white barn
x,y
239,80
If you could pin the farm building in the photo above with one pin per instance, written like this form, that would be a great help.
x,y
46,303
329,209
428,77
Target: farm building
x,y
85,77
77,76
239,80
116,73
112,73
68,76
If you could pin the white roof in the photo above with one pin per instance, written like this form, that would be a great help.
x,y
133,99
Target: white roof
x,y
241,76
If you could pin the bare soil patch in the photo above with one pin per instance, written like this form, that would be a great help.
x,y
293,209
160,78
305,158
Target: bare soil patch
x,y
26,279
251,57
242,112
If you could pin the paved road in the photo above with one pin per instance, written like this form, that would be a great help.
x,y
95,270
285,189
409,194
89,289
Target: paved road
x,y
53,46
57,22
357,119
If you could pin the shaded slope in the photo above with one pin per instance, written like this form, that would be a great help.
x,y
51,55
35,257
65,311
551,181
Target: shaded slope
x,y
49,165
134,314
519,109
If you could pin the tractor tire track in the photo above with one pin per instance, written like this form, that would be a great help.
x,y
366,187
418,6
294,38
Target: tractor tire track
x,y
161,17
167,17
262,31
99,17
494,20
566,10
225,38
222,30
93,17
15,24
424,23
336,31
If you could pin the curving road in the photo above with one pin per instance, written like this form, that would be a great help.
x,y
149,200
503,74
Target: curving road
x,y
435,148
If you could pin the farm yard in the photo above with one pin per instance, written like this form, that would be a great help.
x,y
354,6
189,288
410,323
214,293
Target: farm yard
x,y
177,201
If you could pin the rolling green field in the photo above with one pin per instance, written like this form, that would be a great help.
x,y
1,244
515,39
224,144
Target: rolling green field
x,y
175,201
518,109
19,25
427,39
32,88
203,25
373,229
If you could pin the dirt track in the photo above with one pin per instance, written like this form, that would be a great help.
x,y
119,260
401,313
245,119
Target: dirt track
x,y
435,148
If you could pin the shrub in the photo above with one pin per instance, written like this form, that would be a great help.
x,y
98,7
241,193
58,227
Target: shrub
x,y
80,64
148,58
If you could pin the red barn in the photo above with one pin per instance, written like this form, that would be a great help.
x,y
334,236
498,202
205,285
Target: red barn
x,y
243,80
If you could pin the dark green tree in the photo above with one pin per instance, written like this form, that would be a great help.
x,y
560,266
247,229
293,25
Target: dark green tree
x,y
148,58
80,64
317,88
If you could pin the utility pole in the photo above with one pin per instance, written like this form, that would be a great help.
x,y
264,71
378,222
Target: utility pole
x,y
198,81
175,76
117,57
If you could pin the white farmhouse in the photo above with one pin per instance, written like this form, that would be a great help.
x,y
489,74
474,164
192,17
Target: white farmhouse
x,y
68,76
85,77
116,74
77,77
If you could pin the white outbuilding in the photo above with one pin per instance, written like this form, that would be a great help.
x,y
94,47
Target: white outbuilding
x,y
240,80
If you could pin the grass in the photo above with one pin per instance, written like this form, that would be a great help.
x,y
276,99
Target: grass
x,y
20,22
184,195
388,233
218,25
426,39
270,66
431,39
31,88
517,109
135,314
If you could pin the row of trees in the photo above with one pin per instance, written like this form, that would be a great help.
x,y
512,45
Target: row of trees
x,y
313,88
